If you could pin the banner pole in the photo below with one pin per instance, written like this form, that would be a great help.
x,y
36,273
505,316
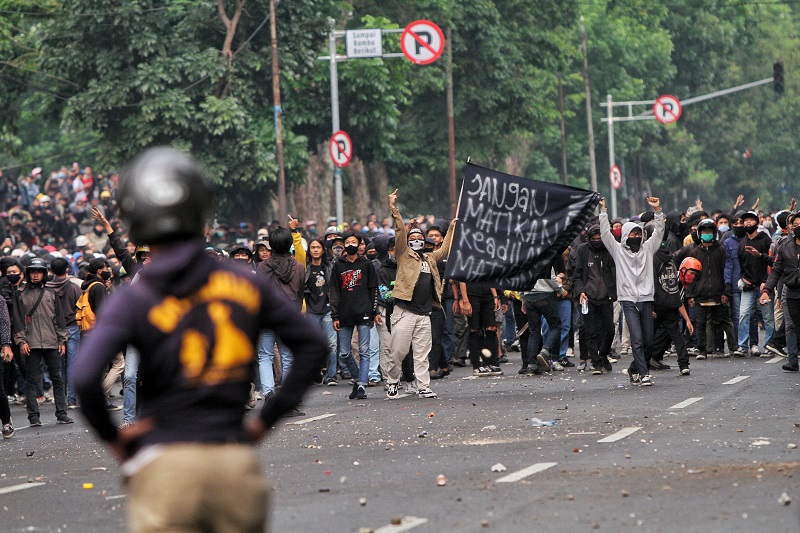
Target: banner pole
x,y
460,194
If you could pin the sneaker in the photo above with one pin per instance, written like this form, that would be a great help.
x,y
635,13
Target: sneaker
x,y
481,371
503,359
426,392
647,381
774,350
790,367
48,396
555,365
755,351
252,400
361,393
461,363
633,378
514,346
354,392
373,382
739,352
543,359
392,392
597,372
40,400
64,420
607,367
692,351
35,423
582,365
570,352
524,370
346,375
72,405
123,425
684,372
411,387
495,370
566,363
437,374
330,382
658,365
8,431
111,407
700,356
612,359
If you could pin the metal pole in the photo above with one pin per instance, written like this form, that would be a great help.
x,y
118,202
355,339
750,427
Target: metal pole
x,y
451,128
337,173
611,155
589,124
276,95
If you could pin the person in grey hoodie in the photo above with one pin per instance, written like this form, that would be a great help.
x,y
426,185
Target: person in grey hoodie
x,y
635,283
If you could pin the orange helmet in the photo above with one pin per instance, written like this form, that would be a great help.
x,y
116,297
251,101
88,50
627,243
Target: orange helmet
x,y
690,263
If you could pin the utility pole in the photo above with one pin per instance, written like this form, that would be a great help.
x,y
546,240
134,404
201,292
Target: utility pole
x,y
337,172
592,162
451,128
276,95
564,175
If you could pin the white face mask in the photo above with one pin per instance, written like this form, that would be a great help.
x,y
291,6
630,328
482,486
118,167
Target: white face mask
x,y
416,244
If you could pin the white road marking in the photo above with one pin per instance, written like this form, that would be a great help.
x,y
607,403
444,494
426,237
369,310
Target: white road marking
x,y
21,486
312,419
686,403
735,380
525,472
619,435
408,523
775,359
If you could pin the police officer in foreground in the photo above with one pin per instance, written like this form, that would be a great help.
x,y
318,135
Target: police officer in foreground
x,y
188,462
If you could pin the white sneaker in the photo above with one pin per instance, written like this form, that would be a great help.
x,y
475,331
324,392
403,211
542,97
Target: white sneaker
x,y
426,392
555,365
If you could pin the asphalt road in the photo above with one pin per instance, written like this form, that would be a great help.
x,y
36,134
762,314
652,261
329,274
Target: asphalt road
x,y
709,452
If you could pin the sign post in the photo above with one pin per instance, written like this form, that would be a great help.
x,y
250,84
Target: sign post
x,y
667,109
422,42
341,149
615,177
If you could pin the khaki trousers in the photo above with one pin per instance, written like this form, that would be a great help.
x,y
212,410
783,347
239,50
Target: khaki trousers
x,y
410,330
194,488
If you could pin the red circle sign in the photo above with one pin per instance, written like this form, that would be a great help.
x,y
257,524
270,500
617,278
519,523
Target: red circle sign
x,y
341,149
667,109
616,177
422,42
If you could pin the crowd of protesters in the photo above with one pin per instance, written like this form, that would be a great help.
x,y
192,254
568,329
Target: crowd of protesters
x,y
690,283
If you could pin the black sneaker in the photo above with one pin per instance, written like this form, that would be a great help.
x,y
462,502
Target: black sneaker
x,y
790,367
773,349
35,423
607,366
685,371
597,371
566,363
8,431
392,391
64,420
354,392
111,407
361,393
495,370
646,381
330,382
524,370
481,371
658,365
72,405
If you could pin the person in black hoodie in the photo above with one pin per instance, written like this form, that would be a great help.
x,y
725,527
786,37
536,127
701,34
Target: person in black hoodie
x,y
195,322
318,308
11,280
354,305
708,293
676,231
67,293
668,309
595,283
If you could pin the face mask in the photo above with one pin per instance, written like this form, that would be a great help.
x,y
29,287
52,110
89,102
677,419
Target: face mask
x,y
724,228
707,237
14,278
617,233
739,231
596,245
337,250
105,275
795,231
688,277
242,260
372,256
634,243
312,231
416,245
351,249
750,229
683,227
393,259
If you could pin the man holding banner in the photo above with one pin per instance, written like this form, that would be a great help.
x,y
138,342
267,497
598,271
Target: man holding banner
x,y
635,284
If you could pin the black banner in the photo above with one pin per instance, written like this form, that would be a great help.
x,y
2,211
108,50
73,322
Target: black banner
x,y
510,229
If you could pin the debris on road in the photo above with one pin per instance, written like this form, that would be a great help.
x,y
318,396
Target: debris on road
x,y
625,493
88,486
29,454
484,523
99,469
499,467
396,521
791,446
535,422
760,443
324,490
784,499
362,501
489,428
441,480
690,471
423,434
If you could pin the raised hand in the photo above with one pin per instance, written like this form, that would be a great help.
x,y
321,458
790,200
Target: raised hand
x,y
654,202
393,198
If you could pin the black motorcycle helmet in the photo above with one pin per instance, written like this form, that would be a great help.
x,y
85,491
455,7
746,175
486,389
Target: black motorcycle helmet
x,y
164,196
35,264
